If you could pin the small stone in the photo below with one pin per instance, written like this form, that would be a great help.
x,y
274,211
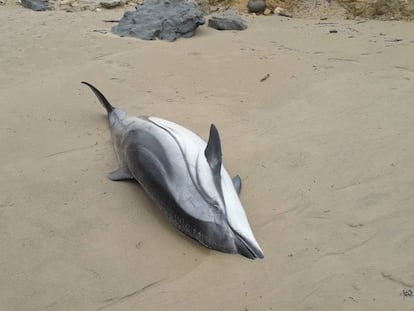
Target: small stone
x,y
227,22
256,6
214,9
35,5
267,12
66,2
333,31
110,4
281,12
278,10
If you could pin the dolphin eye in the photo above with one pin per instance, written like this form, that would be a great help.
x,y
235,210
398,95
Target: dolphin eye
x,y
216,206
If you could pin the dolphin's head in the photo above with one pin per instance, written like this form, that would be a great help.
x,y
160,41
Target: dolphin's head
x,y
237,219
221,193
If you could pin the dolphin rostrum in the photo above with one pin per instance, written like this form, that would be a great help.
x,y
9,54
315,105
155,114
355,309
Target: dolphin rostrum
x,y
184,176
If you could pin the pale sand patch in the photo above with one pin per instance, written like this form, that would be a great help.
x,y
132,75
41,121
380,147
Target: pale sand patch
x,y
324,146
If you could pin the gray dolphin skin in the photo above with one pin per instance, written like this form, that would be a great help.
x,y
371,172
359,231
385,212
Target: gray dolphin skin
x,y
185,178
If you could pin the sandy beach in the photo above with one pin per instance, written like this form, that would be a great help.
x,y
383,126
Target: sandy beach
x,y
324,147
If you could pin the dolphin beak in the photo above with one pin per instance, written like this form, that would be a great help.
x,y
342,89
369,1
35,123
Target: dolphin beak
x,y
247,248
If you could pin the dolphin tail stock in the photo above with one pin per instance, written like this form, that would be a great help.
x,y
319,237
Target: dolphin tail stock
x,y
101,98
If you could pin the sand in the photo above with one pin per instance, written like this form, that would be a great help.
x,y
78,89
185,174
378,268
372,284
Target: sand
x,y
324,147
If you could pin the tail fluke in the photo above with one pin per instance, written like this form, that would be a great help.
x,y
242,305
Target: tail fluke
x,y
101,98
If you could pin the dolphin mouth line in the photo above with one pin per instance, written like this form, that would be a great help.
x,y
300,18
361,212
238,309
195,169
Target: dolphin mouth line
x,y
251,250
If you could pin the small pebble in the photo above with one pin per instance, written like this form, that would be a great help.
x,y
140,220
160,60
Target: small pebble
x,y
256,6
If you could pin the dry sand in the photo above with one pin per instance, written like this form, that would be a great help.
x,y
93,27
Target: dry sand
x,y
324,147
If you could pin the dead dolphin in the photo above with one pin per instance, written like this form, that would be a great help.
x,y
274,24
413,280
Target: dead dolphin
x,y
184,176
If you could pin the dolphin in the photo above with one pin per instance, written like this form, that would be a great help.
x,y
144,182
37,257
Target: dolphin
x,y
185,178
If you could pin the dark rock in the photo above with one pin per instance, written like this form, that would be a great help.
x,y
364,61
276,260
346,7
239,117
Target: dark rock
x,y
256,6
163,19
35,5
333,31
227,22
110,4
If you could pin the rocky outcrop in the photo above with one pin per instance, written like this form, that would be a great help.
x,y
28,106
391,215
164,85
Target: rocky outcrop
x,y
285,4
383,9
163,19
380,9
83,5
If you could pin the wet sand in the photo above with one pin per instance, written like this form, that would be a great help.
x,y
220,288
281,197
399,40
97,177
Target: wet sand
x,y
324,147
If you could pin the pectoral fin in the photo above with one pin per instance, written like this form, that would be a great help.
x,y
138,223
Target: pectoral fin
x,y
120,174
237,183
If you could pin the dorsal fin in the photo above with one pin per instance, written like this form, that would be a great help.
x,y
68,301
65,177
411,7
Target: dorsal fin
x,y
213,150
